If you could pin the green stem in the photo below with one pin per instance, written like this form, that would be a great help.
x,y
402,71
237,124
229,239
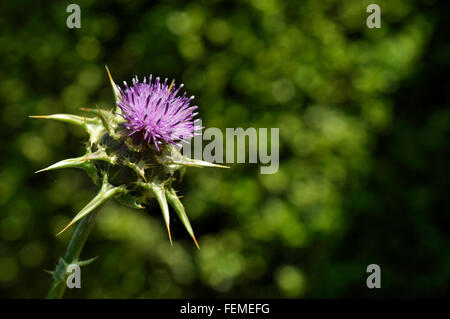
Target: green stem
x,y
71,256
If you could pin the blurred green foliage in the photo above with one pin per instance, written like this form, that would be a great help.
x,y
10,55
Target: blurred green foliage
x,y
363,172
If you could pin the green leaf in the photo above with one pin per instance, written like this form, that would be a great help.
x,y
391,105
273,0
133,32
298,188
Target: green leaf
x,y
77,162
173,156
176,204
158,190
107,191
197,163
69,118
93,126
117,95
84,162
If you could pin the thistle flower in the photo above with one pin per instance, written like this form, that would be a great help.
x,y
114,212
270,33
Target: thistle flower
x,y
155,113
132,155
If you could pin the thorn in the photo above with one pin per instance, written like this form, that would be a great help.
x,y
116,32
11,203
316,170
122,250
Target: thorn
x,y
48,271
109,74
170,236
39,116
195,241
135,168
65,228
142,174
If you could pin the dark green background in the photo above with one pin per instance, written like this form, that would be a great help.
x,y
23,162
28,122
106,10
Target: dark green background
x,y
364,125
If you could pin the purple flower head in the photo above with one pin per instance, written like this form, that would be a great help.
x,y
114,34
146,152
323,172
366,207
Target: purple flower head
x,y
154,112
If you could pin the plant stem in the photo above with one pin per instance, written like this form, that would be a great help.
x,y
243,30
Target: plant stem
x,y
71,256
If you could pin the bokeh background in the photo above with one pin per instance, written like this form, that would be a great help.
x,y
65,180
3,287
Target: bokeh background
x,y
364,126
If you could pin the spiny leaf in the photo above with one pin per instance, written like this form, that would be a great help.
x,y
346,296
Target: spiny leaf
x,y
77,162
84,162
159,192
117,95
69,118
173,156
177,158
197,163
176,204
107,191
93,126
